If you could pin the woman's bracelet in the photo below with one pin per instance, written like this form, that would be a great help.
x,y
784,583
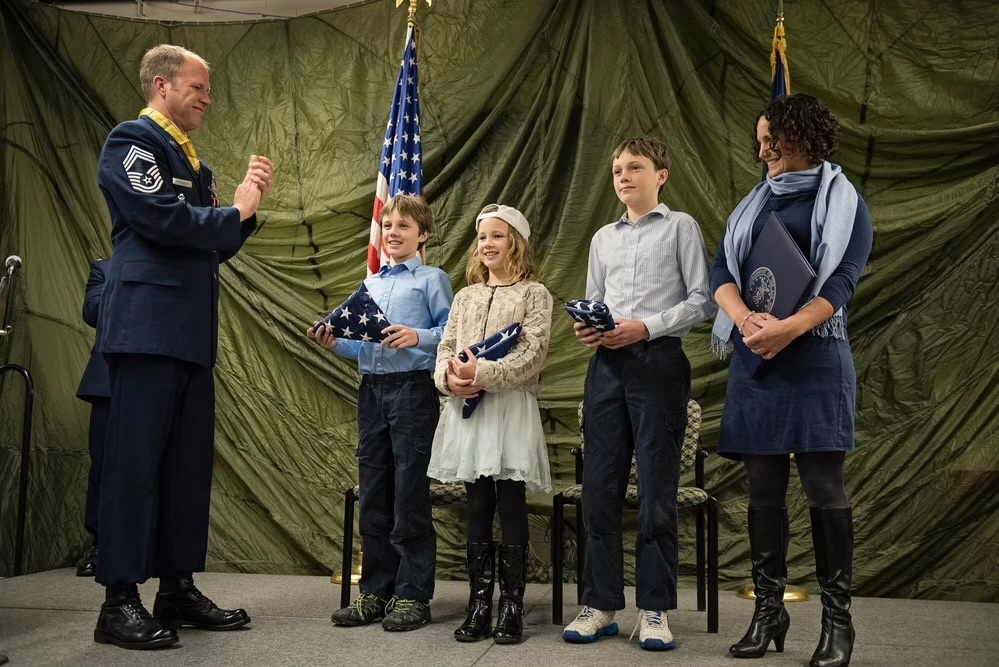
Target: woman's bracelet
x,y
746,319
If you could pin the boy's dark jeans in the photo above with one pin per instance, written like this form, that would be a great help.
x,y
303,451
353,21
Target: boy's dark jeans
x,y
635,402
396,419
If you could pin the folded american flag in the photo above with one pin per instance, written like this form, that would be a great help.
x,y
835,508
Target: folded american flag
x,y
591,313
495,347
357,318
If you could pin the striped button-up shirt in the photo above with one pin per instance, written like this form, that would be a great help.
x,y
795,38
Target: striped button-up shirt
x,y
654,270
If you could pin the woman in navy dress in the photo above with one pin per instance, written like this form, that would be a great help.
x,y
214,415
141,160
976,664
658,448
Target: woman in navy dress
x,y
802,400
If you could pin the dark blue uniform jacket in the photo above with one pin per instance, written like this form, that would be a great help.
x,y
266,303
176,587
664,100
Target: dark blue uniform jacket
x,y
162,288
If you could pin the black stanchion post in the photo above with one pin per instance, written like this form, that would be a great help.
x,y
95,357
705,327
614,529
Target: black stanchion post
x,y
22,492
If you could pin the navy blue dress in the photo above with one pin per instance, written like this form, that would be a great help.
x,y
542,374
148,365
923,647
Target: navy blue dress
x,y
804,399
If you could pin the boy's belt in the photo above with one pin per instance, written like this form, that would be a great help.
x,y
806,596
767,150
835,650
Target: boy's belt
x,y
664,342
394,378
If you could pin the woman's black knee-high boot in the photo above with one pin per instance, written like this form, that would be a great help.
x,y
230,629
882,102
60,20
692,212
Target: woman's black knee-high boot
x,y
832,537
768,540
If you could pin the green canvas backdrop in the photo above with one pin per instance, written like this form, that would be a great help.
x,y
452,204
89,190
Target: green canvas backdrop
x,y
522,102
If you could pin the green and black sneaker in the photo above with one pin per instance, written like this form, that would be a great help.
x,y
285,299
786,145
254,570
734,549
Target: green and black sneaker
x,y
367,608
406,615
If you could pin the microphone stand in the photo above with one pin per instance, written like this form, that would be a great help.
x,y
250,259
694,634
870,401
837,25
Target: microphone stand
x,y
12,264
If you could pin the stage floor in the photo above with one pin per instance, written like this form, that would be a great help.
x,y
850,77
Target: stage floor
x,y
48,619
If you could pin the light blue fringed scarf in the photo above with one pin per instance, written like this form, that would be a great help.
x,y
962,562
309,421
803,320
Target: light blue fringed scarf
x,y
832,225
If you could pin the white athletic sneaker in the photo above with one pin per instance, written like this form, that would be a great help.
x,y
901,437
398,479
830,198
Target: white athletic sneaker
x,y
653,631
589,626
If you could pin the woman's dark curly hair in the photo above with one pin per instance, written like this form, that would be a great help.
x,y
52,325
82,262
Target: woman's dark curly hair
x,y
799,124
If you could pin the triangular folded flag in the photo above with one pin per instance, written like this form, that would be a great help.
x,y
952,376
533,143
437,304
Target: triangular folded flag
x,y
591,313
495,347
357,318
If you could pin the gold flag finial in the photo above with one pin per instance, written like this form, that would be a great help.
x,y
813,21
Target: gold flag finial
x,y
412,7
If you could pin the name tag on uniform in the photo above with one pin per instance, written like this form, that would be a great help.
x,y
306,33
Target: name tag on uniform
x,y
182,183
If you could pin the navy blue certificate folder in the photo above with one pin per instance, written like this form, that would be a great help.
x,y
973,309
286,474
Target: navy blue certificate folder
x,y
775,279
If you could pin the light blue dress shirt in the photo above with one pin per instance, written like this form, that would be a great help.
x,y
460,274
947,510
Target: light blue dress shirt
x,y
413,295
654,270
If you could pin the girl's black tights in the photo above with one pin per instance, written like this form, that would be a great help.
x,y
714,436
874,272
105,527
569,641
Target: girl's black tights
x,y
487,495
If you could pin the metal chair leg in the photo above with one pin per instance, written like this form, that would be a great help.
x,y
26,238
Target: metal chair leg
x,y
558,555
700,557
712,565
580,551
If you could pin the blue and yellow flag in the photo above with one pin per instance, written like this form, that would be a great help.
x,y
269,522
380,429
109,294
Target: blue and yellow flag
x,y
781,75
779,72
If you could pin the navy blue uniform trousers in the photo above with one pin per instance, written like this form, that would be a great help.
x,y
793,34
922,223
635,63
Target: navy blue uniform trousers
x,y
397,416
156,478
635,403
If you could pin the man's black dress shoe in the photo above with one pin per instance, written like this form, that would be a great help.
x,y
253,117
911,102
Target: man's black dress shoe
x,y
87,567
180,604
126,623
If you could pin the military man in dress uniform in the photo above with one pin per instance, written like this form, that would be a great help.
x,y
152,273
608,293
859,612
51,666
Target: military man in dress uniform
x,y
158,330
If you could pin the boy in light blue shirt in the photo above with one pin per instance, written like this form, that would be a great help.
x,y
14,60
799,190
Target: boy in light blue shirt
x,y
397,411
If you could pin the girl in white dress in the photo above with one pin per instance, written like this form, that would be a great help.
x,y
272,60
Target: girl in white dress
x,y
500,450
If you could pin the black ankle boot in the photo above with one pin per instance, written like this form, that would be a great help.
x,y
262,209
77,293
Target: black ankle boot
x,y
482,582
179,603
768,540
832,537
87,567
125,622
513,579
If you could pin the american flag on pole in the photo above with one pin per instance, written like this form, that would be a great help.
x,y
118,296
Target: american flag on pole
x,y
401,168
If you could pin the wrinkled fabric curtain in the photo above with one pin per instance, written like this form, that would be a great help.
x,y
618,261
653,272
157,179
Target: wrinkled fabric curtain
x,y
523,101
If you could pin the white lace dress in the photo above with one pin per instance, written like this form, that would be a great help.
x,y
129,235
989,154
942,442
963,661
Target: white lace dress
x,y
504,437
